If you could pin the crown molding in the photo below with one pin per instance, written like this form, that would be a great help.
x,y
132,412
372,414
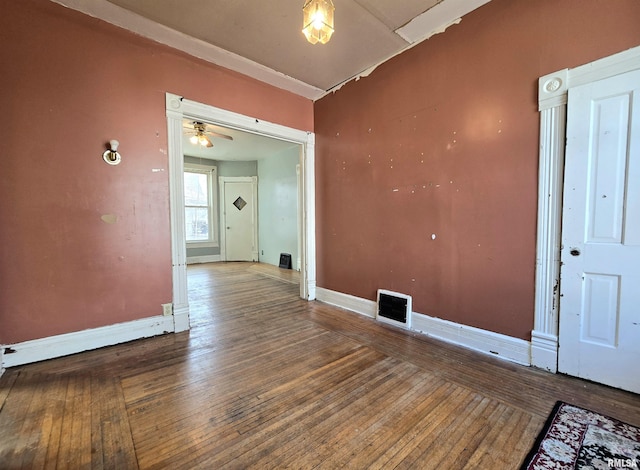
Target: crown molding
x,y
144,27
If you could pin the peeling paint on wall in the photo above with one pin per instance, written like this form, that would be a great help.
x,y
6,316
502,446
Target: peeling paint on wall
x,y
109,218
407,36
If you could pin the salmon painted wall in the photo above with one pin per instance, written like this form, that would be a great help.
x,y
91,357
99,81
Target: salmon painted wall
x,y
427,168
70,83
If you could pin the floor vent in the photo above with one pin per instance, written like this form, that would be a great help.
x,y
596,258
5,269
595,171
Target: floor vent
x,y
394,308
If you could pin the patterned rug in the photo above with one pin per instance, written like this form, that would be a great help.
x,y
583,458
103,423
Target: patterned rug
x,y
575,438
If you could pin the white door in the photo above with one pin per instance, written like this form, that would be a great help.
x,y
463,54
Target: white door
x,y
239,222
599,335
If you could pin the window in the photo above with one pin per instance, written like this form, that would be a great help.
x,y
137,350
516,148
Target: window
x,y
199,207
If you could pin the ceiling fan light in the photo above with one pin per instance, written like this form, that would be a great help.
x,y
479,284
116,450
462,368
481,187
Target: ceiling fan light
x,y
202,140
317,21
193,139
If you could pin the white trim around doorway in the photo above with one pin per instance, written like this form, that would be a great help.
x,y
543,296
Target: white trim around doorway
x,y
179,108
553,90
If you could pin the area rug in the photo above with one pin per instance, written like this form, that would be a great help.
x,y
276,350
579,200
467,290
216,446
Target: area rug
x,y
575,438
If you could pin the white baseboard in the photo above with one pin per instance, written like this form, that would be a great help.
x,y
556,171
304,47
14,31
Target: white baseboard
x,y
498,345
346,301
503,346
79,341
203,259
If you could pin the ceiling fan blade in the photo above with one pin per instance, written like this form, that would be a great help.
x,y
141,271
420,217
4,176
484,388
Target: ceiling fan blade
x,y
197,127
222,136
209,143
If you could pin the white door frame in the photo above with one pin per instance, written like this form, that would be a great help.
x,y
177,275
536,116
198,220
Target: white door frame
x,y
552,104
223,216
178,108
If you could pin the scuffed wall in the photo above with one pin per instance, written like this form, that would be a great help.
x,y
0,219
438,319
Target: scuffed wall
x,y
84,244
427,168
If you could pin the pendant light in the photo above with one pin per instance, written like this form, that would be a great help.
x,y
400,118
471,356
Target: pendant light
x,y
318,20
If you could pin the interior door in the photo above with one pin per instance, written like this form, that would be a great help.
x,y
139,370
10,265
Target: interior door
x,y
240,219
599,337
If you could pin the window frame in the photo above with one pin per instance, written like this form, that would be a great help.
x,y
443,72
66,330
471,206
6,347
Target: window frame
x,y
212,182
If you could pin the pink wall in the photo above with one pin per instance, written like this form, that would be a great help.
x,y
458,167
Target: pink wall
x,y
70,84
443,140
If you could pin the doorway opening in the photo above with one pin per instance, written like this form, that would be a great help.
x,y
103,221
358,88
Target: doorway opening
x,y
268,215
178,109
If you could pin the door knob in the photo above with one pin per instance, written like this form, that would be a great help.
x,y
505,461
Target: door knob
x,y
575,252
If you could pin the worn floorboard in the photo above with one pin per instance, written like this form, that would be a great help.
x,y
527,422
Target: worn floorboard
x,y
267,380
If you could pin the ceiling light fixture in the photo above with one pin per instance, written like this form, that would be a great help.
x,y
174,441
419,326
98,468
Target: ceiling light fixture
x,y
199,137
200,134
318,20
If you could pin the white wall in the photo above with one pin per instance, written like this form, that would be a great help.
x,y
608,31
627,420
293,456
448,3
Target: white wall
x,y
278,207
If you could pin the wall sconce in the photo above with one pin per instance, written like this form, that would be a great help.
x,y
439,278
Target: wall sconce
x,y
111,156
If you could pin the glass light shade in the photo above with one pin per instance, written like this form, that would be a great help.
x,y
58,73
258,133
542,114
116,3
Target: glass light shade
x,y
318,20
194,139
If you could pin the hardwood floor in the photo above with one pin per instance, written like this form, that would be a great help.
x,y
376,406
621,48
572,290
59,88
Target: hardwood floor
x,y
267,380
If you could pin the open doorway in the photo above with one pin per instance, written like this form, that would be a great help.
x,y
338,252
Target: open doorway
x,y
257,226
178,109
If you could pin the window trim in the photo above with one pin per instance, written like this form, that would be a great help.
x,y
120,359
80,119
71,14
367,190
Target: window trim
x,y
212,176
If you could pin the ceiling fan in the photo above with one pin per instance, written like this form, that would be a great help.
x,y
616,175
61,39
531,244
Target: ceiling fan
x,y
200,134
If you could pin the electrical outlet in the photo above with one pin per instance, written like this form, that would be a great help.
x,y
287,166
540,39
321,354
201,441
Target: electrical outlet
x,y
167,309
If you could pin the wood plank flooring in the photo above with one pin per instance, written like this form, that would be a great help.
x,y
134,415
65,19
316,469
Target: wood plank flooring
x,y
266,380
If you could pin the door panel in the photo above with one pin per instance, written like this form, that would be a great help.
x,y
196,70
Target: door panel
x,y
600,274
601,309
607,168
240,221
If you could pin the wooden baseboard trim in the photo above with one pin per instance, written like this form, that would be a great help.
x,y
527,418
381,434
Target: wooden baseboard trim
x,y
346,301
71,343
495,344
203,259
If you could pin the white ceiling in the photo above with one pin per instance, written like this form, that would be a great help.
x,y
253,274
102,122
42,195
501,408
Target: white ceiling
x,y
263,38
